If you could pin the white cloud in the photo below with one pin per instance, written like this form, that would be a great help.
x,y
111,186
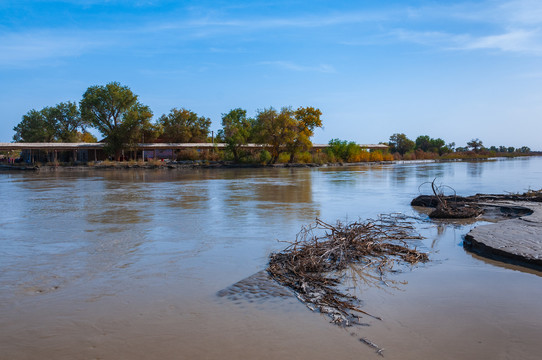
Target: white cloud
x,y
519,41
322,68
522,12
21,49
514,41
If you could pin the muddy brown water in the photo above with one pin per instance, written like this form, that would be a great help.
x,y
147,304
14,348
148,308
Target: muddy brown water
x,y
165,265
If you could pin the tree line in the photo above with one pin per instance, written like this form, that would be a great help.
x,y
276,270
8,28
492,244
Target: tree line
x,y
426,147
123,121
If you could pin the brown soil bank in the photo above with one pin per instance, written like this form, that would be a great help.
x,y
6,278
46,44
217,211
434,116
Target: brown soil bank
x,y
517,237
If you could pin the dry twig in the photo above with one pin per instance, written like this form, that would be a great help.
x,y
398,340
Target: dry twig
x,y
312,265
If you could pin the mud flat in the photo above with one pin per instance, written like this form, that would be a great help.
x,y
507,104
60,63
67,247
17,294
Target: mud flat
x,y
519,240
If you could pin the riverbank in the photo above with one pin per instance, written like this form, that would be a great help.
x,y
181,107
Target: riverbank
x,y
199,164
179,165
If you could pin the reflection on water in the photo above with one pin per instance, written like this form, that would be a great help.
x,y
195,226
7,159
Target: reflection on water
x,y
122,264
475,168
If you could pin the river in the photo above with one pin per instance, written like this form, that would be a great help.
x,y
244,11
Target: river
x,y
109,264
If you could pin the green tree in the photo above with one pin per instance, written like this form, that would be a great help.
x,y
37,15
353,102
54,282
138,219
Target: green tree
x,y
401,143
34,127
475,144
429,144
113,109
135,125
184,126
67,121
236,130
423,142
274,129
60,123
342,150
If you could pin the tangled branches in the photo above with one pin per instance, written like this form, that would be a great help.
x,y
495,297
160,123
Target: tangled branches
x,y
312,265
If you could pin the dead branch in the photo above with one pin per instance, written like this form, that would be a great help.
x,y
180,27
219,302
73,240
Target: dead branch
x,y
313,265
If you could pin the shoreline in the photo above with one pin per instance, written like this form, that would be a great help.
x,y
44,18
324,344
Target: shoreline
x,y
184,165
198,164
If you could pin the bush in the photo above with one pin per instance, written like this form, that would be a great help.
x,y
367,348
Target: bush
x,y
284,157
304,157
187,154
376,156
265,156
342,150
320,158
409,156
211,155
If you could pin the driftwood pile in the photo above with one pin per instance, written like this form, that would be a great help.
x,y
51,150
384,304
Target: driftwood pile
x,y
314,265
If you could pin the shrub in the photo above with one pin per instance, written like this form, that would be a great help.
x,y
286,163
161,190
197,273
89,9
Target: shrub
x,y
304,157
409,156
284,157
265,156
376,155
320,158
187,154
387,156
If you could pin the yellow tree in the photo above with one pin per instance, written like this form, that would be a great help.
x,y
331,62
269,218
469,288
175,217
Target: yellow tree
x,y
306,119
288,130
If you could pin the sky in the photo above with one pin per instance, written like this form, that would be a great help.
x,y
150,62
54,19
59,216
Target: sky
x,y
448,69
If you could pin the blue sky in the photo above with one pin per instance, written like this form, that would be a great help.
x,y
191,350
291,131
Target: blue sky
x,y
448,69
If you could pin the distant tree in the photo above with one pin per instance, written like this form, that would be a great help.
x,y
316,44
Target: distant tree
x,y
503,149
475,144
401,143
137,123
184,126
493,149
274,129
511,149
86,137
342,150
67,120
60,123
288,129
236,131
448,148
423,142
113,109
524,150
437,146
306,119
34,127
